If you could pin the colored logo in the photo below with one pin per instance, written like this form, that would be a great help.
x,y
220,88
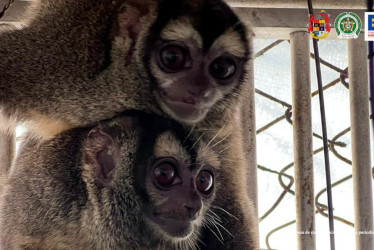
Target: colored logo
x,y
369,26
348,25
319,26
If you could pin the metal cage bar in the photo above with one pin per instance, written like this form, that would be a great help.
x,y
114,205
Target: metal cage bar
x,y
249,135
360,136
302,137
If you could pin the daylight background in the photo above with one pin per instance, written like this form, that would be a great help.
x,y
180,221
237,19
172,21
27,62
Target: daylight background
x,y
275,144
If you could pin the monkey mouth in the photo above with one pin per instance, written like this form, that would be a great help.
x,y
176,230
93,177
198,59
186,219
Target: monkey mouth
x,y
174,226
186,109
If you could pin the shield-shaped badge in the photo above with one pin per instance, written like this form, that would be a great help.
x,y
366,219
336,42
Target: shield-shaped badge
x,y
319,26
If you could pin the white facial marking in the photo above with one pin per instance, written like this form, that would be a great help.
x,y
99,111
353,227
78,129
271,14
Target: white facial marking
x,y
180,30
229,42
167,145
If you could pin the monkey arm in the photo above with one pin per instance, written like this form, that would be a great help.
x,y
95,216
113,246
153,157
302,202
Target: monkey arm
x,y
56,106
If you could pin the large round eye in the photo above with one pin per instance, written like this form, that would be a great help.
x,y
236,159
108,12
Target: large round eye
x,y
173,57
164,173
222,68
204,182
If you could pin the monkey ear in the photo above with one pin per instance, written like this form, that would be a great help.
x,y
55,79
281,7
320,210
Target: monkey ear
x,y
101,155
134,16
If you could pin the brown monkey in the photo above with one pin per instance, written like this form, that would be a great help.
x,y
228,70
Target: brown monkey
x,y
136,182
77,62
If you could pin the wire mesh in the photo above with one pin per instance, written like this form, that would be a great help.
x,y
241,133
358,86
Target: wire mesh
x,y
275,145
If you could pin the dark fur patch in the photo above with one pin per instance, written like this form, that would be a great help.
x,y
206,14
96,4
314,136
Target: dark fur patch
x,y
210,18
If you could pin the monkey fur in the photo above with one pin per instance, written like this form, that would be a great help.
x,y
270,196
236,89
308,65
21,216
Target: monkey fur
x,y
95,188
78,62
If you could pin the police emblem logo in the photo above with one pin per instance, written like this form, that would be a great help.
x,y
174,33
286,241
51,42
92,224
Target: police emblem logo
x,y
369,26
348,25
319,26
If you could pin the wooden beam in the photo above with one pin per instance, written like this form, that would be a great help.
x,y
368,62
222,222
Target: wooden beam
x,y
271,23
275,23
317,4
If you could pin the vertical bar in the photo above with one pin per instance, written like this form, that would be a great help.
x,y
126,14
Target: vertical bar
x,y
249,136
369,6
302,134
248,114
371,81
360,134
317,61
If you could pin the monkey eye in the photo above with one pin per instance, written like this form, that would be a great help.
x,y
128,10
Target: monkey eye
x,y
165,173
222,68
204,182
173,58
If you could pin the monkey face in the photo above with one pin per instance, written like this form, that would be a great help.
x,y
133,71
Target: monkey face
x,y
190,81
181,192
191,56
180,187
197,57
144,171
180,182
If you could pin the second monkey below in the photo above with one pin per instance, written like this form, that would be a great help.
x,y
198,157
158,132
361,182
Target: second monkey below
x,y
136,182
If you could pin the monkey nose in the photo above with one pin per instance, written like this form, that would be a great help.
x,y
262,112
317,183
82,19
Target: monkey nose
x,y
192,211
192,207
197,90
194,91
